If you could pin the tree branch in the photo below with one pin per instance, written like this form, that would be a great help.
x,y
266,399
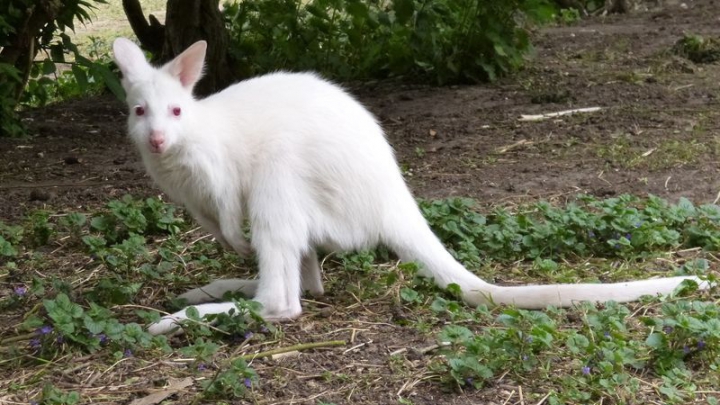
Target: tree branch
x,y
152,34
299,347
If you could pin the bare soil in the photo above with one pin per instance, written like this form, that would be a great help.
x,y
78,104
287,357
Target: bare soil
x,y
657,132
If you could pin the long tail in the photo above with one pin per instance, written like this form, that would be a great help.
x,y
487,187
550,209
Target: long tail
x,y
565,295
413,240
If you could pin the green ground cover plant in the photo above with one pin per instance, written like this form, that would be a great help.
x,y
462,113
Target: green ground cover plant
x,y
135,250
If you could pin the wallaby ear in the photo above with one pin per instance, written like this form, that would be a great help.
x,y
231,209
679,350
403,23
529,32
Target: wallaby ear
x,y
188,66
129,58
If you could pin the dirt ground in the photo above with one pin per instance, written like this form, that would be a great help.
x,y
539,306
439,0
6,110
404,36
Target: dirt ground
x,y
465,140
658,132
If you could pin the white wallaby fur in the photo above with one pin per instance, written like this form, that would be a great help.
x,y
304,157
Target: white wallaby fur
x,y
310,168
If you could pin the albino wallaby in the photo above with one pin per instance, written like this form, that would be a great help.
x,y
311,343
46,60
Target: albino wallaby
x,y
310,168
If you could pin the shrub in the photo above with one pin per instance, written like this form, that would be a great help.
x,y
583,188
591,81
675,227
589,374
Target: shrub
x,y
445,41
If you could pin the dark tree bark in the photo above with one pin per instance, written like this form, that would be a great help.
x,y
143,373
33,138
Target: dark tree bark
x,y
152,34
186,22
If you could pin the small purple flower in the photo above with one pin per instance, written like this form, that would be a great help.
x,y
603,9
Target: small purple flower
x,y
668,329
247,382
103,338
701,344
60,340
264,329
44,330
248,335
586,370
606,334
201,367
529,339
127,353
20,291
686,349
628,236
524,357
35,343
591,234
469,381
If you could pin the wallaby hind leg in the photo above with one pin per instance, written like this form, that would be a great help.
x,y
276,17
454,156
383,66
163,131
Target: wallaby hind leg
x,y
215,290
311,282
311,274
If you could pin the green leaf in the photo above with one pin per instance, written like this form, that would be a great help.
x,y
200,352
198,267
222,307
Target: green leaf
x,y
80,76
577,343
48,67
103,74
455,334
192,313
404,10
409,295
655,340
94,327
65,326
6,248
114,329
101,223
32,323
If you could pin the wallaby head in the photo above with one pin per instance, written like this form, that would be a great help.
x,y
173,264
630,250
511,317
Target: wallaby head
x,y
160,99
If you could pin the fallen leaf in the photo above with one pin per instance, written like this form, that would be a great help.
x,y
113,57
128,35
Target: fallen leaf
x,y
174,386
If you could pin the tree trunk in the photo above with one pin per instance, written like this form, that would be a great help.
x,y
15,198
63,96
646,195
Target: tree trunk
x,y
186,22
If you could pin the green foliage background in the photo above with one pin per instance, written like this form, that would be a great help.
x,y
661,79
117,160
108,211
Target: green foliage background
x,y
436,41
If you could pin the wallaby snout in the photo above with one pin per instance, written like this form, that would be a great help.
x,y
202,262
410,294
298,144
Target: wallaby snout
x,y
157,141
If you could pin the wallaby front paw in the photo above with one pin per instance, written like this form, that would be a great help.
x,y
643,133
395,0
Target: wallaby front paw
x,y
280,315
244,249
218,288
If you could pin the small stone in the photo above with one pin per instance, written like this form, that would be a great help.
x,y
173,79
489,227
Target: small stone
x,y
326,312
40,195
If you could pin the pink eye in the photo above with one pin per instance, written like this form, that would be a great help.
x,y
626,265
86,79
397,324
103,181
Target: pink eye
x,y
139,110
176,111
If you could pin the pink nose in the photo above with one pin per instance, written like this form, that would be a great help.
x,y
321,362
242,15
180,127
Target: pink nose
x,y
157,139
